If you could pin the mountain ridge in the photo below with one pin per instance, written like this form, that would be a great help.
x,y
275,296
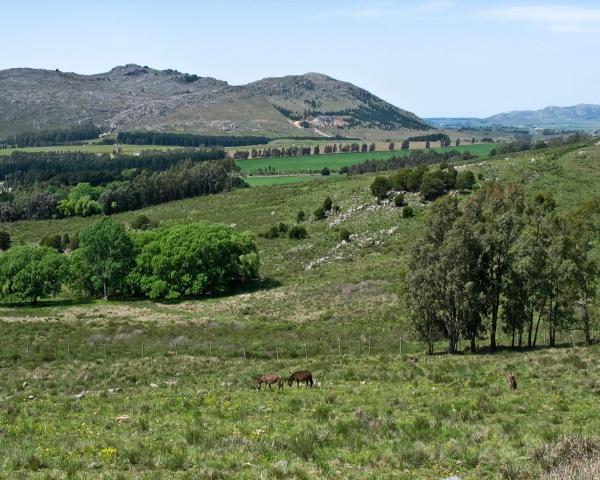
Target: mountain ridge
x,y
138,97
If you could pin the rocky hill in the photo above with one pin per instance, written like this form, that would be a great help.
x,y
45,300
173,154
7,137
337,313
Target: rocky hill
x,y
134,97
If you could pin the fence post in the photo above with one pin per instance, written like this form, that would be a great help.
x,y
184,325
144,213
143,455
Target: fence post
x,y
305,350
244,352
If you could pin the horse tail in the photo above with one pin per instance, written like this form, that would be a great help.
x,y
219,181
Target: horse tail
x,y
310,379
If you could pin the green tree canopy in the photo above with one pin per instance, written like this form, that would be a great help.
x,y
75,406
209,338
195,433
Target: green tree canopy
x,y
104,258
28,273
194,259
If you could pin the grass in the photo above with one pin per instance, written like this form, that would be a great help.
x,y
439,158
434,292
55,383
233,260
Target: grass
x,y
315,163
185,370
256,181
88,148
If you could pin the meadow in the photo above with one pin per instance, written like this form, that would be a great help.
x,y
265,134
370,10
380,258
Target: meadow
x,y
183,373
335,161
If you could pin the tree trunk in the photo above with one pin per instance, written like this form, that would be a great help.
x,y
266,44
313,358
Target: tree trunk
x,y
105,295
429,347
537,326
586,322
494,322
512,343
452,345
530,329
473,345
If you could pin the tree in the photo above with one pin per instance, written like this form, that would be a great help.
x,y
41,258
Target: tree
x,y
300,216
391,147
143,222
399,199
320,213
104,258
5,240
501,209
325,171
316,150
194,259
327,204
28,273
457,143
465,180
372,147
380,187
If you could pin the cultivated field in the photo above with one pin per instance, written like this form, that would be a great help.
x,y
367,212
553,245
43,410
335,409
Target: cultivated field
x,y
183,373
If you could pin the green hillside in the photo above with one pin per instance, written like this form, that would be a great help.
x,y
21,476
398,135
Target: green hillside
x,y
183,372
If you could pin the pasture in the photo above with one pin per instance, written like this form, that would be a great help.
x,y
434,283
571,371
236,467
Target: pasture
x,y
183,373
335,161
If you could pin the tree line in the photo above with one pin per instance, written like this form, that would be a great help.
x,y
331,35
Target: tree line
x,y
111,262
43,138
414,158
525,142
188,139
502,261
70,168
184,180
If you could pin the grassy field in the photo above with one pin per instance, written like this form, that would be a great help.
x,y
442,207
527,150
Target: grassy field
x,y
89,148
314,163
184,371
256,181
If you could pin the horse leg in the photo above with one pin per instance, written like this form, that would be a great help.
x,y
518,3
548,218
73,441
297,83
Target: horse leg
x,y
270,387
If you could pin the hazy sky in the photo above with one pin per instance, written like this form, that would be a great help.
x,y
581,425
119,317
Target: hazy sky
x,y
436,58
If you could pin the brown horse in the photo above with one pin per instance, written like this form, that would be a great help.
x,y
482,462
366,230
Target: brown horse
x,y
301,376
512,381
269,380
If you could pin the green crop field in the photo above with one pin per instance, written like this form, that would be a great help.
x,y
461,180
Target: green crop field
x,y
314,163
140,389
256,181
89,148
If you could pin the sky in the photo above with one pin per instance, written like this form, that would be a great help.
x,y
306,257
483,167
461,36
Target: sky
x,y
432,57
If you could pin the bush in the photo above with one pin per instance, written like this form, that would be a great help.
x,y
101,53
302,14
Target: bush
x,y
142,222
399,199
5,240
271,233
408,212
298,232
344,170
300,216
194,259
320,213
283,228
327,204
325,171
344,235
52,240
465,180
380,187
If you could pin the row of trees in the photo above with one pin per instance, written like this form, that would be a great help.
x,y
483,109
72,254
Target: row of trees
x,y
430,183
189,139
414,158
70,168
502,261
299,151
184,180
43,138
525,142
185,260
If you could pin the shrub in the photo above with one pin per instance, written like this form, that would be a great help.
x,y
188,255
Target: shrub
x,y
298,232
52,240
320,213
283,228
408,212
325,171
344,170
271,233
5,240
380,187
327,204
399,199
194,259
300,216
465,180
344,235
142,222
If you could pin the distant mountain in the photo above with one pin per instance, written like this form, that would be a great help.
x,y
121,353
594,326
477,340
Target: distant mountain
x,y
583,116
135,97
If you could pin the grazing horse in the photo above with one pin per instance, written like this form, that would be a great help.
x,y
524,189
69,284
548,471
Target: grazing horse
x,y
269,380
301,376
512,381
